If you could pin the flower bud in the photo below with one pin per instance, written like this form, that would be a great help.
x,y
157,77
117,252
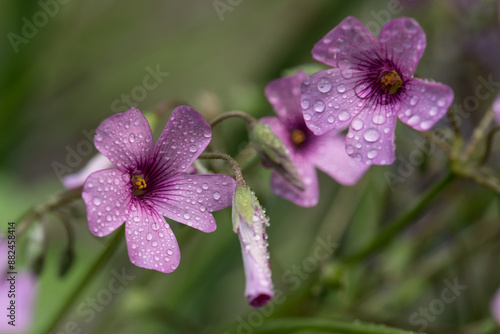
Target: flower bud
x,y
273,152
250,222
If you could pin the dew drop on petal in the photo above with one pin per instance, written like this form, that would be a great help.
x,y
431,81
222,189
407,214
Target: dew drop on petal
x,y
304,103
372,154
324,85
207,133
187,216
371,135
426,125
131,138
414,100
216,195
204,186
433,111
415,119
347,73
357,124
307,117
319,106
441,102
149,236
350,149
330,119
344,115
378,119
341,88
193,148
96,201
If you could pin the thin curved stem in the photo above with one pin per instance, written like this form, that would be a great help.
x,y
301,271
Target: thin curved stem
x,y
249,119
99,262
478,134
489,142
400,223
226,157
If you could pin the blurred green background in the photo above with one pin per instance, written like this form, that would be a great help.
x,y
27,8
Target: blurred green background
x,y
63,78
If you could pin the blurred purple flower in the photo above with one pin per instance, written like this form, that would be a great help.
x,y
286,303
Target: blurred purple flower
x,y
307,151
372,84
495,307
250,222
496,109
76,180
150,182
25,295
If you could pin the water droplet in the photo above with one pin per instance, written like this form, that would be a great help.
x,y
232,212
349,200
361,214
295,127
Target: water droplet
x,y
131,138
109,218
350,149
137,219
341,88
304,103
362,90
330,119
433,111
426,125
415,119
149,236
441,102
154,243
204,186
319,106
414,100
134,246
371,135
372,154
307,117
344,115
347,73
96,201
324,85
187,216
216,195
169,252
203,208
378,119
357,124
207,133
193,148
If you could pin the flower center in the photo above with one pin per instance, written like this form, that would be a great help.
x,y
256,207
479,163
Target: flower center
x,y
139,184
392,81
298,137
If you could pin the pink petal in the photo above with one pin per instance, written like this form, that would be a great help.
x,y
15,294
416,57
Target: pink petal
x,y
326,109
151,243
424,103
495,307
184,138
371,136
126,140
107,194
403,42
348,45
496,109
190,199
98,162
329,155
284,96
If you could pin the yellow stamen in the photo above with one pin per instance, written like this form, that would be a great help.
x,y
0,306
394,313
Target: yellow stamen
x,y
138,182
392,81
298,137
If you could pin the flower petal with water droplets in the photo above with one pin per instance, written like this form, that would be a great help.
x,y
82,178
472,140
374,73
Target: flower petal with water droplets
x,y
184,138
403,42
190,199
496,109
151,243
424,103
125,139
107,196
348,45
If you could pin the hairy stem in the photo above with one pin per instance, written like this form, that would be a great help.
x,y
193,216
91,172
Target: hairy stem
x,y
222,156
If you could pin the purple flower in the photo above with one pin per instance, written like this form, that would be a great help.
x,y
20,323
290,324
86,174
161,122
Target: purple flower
x,y
250,222
150,182
495,307
372,84
496,109
26,291
307,151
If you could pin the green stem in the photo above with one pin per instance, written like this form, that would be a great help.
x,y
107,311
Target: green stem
x,y
478,134
92,272
400,223
249,119
226,157
326,325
